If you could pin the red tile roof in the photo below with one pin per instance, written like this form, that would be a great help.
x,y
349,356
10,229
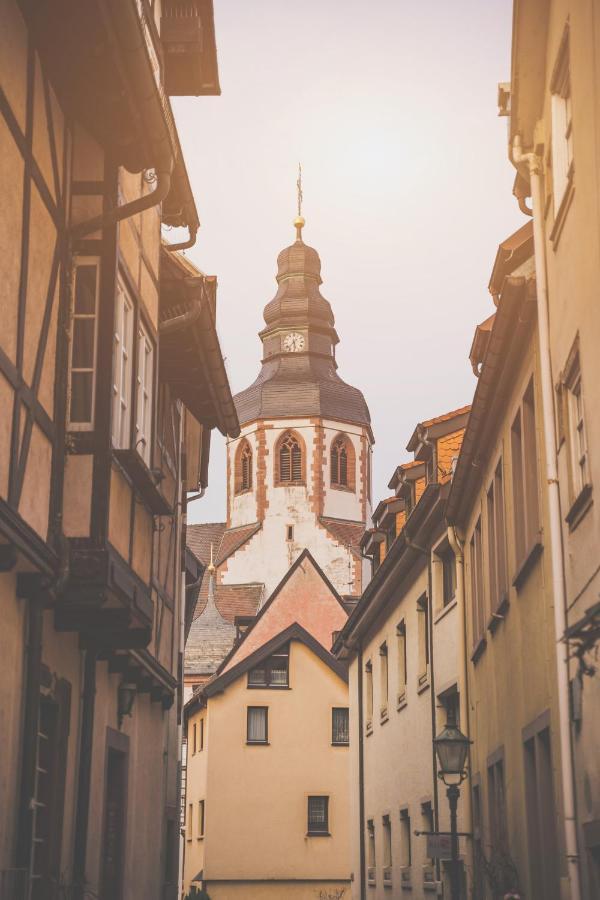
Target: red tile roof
x,y
225,540
231,600
445,418
347,533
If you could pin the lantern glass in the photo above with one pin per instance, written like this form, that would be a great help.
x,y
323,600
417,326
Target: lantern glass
x,y
451,747
126,697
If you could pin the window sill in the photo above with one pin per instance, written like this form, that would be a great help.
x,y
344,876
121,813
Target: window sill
x,y
524,569
445,610
200,837
342,487
268,687
369,728
243,491
402,701
423,683
561,215
143,481
383,715
340,743
499,614
258,744
478,649
318,834
290,484
579,507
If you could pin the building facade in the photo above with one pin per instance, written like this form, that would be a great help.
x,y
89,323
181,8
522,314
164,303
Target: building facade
x,y
402,645
552,101
103,432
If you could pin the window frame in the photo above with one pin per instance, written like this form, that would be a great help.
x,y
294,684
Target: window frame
x,y
369,704
269,665
423,639
561,126
123,363
575,431
263,742
291,437
313,831
384,681
243,468
525,478
343,448
497,560
335,741
144,392
201,820
477,586
81,262
402,663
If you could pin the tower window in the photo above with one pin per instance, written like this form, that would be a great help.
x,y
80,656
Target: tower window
x,y
289,531
342,462
290,460
243,467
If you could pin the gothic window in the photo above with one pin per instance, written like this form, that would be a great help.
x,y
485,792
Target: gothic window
x,y
243,467
289,458
342,463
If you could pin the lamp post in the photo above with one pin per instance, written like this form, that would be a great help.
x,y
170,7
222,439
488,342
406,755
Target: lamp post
x,y
451,747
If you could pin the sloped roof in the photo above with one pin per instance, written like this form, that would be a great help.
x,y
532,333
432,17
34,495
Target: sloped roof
x,y
347,533
225,541
231,600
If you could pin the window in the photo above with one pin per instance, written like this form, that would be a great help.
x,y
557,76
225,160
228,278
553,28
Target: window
x,y
258,730
477,599
541,817
122,352
194,738
402,673
448,561
497,809
289,457
383,678
405,846
369,693
190,822
427,817
371,859
201,734
342,463
423,623
289,532
577,445
82,359
496,541
144,387
200,819
273,672
450,703
318,815
562,125
525,477
340,726
387,847
243,467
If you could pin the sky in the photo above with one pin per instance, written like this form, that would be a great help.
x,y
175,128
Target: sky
x,y
391,108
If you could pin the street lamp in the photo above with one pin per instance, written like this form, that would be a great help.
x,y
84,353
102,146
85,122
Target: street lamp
x,y
452,747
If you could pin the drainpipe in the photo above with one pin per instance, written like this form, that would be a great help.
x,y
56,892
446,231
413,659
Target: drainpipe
x,y
184,245
163,185
534,164
457,546
361,778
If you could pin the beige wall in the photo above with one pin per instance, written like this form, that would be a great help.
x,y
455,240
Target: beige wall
x,y
513,680
256,796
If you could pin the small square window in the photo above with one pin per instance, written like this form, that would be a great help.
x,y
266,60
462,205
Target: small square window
x,y
318,815
258,725
340,732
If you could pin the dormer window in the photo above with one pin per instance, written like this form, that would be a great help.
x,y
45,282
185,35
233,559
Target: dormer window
x,y
289,459
273,672
243,467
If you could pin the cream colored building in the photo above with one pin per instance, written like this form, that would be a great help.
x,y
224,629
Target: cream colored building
x,y
402,644
267,800
499,509
553,102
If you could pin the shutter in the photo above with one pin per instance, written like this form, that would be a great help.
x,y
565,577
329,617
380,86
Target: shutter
x,y
296,462
284,464
334,464
343,467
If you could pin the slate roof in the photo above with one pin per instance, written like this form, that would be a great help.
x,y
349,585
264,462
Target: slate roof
x,y
231,600
347,533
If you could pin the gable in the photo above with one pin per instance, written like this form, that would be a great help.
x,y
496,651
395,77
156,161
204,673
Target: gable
x,y
304,597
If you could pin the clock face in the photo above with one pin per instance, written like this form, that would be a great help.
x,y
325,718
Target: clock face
x,y
293,342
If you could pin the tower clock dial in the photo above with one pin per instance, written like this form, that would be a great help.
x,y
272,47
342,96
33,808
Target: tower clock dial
x,y
293,342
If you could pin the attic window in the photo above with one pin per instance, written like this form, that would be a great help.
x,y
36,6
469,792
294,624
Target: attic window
x,y
273,672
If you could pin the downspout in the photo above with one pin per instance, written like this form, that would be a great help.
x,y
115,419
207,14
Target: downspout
x,y
534,164
361,778
436,812
85,775
126,210
463,683
184,245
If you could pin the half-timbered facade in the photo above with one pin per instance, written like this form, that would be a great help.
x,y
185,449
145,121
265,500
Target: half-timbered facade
x,y
111,378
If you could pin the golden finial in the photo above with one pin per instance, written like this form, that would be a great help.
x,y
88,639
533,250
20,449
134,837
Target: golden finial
x,y
299,221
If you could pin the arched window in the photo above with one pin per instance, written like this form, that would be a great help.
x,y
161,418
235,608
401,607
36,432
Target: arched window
x,y
289,460
243,467
342,463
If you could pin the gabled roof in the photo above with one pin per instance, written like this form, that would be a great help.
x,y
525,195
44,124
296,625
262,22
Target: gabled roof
x,y
320,612
408,471
512,253
439,426
225,541
293,632
231,599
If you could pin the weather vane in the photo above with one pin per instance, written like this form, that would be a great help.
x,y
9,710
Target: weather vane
x,y
299,221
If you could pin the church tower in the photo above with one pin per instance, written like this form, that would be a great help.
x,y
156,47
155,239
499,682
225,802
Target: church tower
x,y
300,471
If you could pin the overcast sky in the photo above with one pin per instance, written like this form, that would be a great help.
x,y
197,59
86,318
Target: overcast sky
x,y
391,107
